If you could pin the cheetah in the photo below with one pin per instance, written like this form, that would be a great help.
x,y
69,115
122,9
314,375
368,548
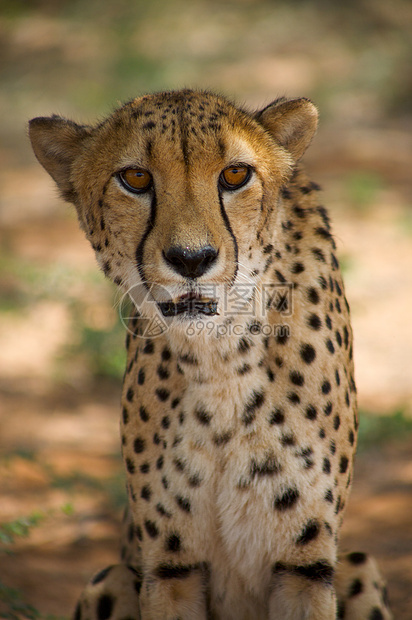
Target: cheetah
x,y
239,420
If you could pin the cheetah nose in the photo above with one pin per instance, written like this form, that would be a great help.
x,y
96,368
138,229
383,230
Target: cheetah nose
x,y
190,263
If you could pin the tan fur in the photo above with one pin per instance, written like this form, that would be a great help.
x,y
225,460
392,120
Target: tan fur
x,y
238,428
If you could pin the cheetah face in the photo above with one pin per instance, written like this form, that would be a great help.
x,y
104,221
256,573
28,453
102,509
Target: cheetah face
x,y
178,193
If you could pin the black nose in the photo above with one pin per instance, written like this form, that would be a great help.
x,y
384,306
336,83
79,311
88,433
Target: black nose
x,y
190,263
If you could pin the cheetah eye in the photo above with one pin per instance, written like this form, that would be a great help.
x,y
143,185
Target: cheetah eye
x,y
234,177
135,180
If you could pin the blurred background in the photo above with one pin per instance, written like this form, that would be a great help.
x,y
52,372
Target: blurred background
x,y
61,343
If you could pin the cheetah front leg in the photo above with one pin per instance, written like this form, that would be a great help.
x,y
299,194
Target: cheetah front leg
x,y
303,592
112,594
178,592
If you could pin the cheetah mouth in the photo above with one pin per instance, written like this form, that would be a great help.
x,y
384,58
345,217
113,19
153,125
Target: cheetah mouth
x,y
190,304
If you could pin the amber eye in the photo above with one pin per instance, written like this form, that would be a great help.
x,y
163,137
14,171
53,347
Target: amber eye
x,y
234,177
136,180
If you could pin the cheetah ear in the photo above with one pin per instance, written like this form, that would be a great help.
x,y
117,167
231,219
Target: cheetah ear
x,y
56,143
291,122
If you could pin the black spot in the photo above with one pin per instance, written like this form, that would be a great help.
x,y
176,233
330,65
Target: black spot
x,y
166,355
351,437
141,376
356,587
162,511
244,345
255,402
146,493
288,440
311,412
322,433
173,543
341,611
180,466
296,378
139,533
277,417
306,454
202,416
286,193
105,606
243,370
130,395
174,571
327,410
298,211
188,359
332,447
162,372
268,467
287,500
144,416
145,468
346,336
222,438
326,387
328,321
376,614
314,322
307,353
320,571
102,575
165,422
149,347
280,276
343,465
151,528
294,398
282,336
130,466
329,346
326,466
337,377
329,496
336,422
175,403
270,374
183,503
357,558
139,445
310,532
298,268
162,394
318,254
267,249
125,415
194,481
323,283
313,295
323,232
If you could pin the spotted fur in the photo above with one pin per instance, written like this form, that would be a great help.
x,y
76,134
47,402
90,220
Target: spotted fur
x,y
239,421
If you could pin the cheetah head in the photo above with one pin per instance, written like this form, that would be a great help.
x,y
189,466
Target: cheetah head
x,y
178,193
